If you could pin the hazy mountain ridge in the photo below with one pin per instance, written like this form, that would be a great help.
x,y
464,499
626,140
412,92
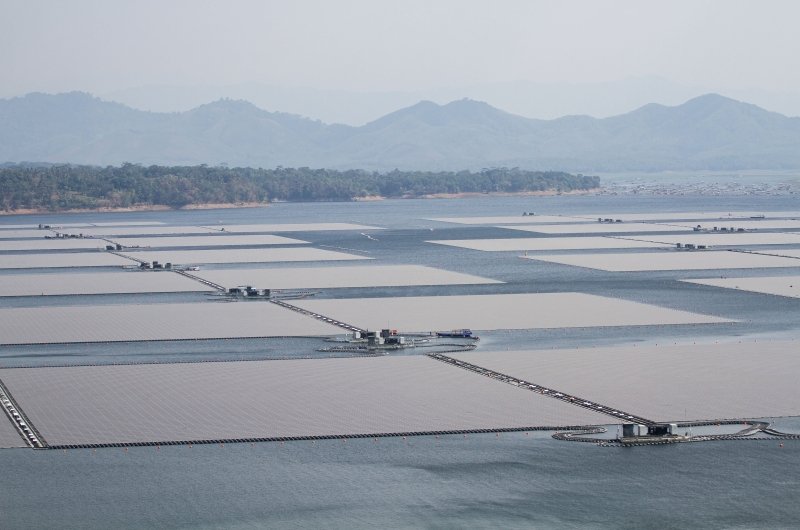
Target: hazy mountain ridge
x,y
706,133
543,100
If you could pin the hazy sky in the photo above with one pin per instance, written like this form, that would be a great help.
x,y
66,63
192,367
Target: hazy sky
x,y
410,45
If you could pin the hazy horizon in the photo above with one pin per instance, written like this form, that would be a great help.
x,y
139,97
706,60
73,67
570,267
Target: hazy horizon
x,y
352,61
545,101
365,107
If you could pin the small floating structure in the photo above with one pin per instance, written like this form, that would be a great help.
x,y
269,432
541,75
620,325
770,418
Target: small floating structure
x,y
456,334
690,246
656,433
247,291
386,339
729,229
155,266
250,293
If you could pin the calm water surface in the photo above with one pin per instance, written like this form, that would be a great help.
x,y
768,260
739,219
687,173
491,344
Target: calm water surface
x,y
511,481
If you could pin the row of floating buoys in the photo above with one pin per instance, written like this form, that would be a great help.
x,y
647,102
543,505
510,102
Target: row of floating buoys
x,y
190,445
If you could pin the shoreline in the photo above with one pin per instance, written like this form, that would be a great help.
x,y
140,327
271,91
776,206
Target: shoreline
x,y
215,206
472,194
139,208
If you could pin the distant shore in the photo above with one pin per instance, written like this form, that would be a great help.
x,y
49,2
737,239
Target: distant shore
x,y
132,187
468,195
215,206
137,208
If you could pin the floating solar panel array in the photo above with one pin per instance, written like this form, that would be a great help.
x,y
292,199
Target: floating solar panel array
x,y
547,243
65,259
505,311
146,322
339,276
667,383
778,285
270,399
97,283
243,255
673,261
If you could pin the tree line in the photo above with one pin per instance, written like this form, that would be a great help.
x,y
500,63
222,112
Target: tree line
x,y
63,187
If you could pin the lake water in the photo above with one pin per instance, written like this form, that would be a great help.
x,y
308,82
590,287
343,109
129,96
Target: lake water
x,y
510,480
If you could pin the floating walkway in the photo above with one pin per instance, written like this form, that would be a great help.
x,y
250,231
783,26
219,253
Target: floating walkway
x,y
550,392
121,255
343,437
21,423
323,318
209,283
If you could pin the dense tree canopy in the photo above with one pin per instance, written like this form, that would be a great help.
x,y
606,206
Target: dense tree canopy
x,y
61,187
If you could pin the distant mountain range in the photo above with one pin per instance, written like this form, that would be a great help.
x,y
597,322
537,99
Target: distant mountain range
x,y
709,132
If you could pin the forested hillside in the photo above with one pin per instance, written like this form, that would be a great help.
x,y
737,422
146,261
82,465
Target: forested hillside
x,y
62,187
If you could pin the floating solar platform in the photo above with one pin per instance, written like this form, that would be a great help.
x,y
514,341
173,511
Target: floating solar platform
x,y
777,285
670,260
207,241
79,225
516,219
290,227
338,276
26,226
598,228
749,224
745,380
677,216
65,259
146,322
274,399
107,231
118,223
547,243
505,311
97,283
726,239
24,233
52,244
249,255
